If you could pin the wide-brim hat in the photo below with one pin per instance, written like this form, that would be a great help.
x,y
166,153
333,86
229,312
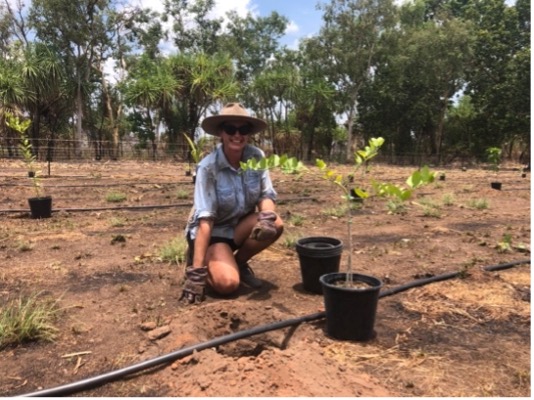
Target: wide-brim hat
x,y
232,112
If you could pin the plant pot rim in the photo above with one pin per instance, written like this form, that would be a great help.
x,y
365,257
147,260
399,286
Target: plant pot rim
x,y
40,198
337,276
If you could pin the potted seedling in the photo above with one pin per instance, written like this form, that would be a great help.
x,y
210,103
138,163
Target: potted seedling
x,y
197,153
351,298
40,205
494,157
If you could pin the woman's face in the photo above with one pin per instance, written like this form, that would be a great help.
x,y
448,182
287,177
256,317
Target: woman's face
x,y
234,135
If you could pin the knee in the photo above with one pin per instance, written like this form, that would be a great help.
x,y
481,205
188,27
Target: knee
x,y
279,223
225,285
279,227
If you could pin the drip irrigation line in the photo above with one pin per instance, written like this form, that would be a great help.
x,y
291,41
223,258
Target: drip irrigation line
x,y
184,352
100,380
96,184
134,208
448,275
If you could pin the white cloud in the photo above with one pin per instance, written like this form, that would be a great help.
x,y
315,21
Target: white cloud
x,y
292,27
242,7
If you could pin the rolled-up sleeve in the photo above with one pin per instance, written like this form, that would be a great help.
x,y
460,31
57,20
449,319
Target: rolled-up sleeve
x,y
205,196
267,189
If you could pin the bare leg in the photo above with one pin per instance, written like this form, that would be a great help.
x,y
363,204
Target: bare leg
x,y
248,247
223,273
223,265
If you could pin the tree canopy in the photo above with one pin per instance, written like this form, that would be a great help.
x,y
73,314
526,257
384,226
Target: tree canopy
x,y
435,78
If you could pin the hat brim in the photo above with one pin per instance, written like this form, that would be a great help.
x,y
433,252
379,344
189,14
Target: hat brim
x,y
211,124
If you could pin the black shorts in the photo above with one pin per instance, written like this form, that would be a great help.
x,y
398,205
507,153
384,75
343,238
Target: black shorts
x,y
213,240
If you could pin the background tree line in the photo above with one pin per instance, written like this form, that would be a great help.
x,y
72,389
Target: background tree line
x,y
436,78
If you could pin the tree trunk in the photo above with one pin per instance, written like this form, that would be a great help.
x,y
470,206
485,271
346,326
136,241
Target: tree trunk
x,y
350,123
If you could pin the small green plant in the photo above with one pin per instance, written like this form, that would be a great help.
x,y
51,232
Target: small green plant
x,y
296,220
479,204
117,222
288,165
431,212
448,199
493,155
26,149
27,319
337,212
505,245
290,241
396,207
24,246
174,251
196,150
115,197
182,194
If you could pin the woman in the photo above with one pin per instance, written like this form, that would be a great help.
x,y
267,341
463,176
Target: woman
x,y
233,217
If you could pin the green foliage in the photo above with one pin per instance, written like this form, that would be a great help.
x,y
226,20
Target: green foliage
x,y
174,251
479,204
115,197
196,150
27,319
418,178
26,149
288,165
505,245
493,155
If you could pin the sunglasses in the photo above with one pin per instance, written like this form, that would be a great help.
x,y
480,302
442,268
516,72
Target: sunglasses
x,y
231,129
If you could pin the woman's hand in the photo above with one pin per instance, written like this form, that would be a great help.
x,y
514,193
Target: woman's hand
x,y
265,228
194,285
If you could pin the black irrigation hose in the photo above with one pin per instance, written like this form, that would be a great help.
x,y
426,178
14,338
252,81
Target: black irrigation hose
x,y
99,380
448,275
175,355
134,208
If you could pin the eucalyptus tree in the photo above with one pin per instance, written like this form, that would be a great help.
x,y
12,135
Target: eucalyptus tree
x,y
195,31
275,90
315,103
77,29
499,80
253,43
419,69
130,30
350,37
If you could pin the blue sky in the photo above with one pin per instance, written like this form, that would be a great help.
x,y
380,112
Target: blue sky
x,y
305,19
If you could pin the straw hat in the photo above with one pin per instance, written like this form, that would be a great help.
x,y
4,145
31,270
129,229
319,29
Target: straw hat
x,y
232,112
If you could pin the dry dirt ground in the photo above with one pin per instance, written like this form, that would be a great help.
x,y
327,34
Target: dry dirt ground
x,y
458,337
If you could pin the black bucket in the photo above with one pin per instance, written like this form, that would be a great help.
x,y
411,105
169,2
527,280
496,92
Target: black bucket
x,y
350,312
318,256
496,185
40,207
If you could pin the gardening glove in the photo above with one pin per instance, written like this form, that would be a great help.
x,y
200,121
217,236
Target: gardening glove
x,y
194,285
264,228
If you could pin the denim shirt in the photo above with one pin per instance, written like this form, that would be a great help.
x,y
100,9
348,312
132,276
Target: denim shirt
x,y
225,194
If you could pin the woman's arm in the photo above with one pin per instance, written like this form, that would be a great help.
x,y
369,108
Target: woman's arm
x,y
202,240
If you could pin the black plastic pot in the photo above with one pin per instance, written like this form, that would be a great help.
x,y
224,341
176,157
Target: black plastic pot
x,y
496,185
318,255
350,311
40,207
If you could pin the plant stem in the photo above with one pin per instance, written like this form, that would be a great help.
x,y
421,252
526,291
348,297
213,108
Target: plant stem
x,y
349,228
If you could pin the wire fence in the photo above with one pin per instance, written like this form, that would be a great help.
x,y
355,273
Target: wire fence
x,y
83,151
